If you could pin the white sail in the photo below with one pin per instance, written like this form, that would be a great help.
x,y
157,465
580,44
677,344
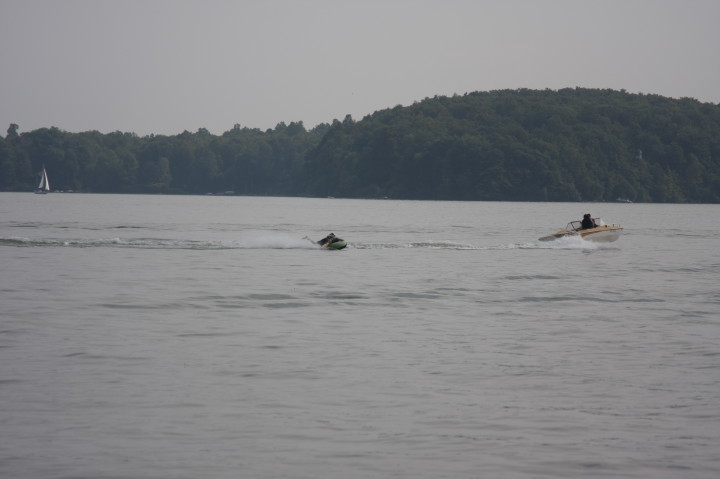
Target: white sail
x,y
44,185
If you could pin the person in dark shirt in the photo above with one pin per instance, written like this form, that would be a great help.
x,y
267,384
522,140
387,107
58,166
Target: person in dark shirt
x,y
328,240
588,222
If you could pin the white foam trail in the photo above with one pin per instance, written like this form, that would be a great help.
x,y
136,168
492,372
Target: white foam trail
x,y
572,242
266,240
420,244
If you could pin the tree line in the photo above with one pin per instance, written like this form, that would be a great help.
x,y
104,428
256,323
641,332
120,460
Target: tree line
x,y
508,145
242,160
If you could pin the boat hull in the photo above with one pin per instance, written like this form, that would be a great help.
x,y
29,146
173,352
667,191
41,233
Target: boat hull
x,y
337,245
601,234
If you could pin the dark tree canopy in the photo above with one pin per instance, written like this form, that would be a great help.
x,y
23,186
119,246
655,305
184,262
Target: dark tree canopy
x,y
512,145
527,145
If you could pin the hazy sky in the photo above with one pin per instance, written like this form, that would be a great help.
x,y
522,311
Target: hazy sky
x,y
165,66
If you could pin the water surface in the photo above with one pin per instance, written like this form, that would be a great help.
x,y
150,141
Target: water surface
x,y
184,337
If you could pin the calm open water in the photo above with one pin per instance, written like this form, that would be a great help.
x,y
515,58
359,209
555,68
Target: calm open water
x,y
181,337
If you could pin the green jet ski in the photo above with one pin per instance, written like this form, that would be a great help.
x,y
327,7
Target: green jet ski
x,y
332,242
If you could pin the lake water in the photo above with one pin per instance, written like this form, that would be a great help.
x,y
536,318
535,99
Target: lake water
x,y
182,337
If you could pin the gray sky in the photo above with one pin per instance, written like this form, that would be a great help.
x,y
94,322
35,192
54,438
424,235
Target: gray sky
x,y
165,66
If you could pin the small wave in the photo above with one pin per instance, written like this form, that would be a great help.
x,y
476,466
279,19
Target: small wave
x,y
74,225
25,224
522,277
15,242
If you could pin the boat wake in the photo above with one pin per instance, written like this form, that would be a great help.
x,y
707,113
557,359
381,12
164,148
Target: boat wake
x,y
421,244
283,241
565,242
162,243
560,243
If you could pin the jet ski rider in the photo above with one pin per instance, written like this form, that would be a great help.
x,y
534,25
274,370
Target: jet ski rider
x,y
328,240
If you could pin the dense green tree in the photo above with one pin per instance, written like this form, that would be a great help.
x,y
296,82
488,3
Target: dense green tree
x,y
569,145
524,145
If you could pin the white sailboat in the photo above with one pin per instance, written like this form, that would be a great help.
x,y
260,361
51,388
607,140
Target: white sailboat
x,y
44,186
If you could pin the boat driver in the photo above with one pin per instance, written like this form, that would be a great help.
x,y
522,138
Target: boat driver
x,y
588,222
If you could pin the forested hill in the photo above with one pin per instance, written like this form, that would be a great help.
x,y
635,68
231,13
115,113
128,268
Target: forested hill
x,y
567,145
512,145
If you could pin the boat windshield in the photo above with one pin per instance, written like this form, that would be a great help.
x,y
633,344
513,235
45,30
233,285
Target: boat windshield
x,y
574,225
